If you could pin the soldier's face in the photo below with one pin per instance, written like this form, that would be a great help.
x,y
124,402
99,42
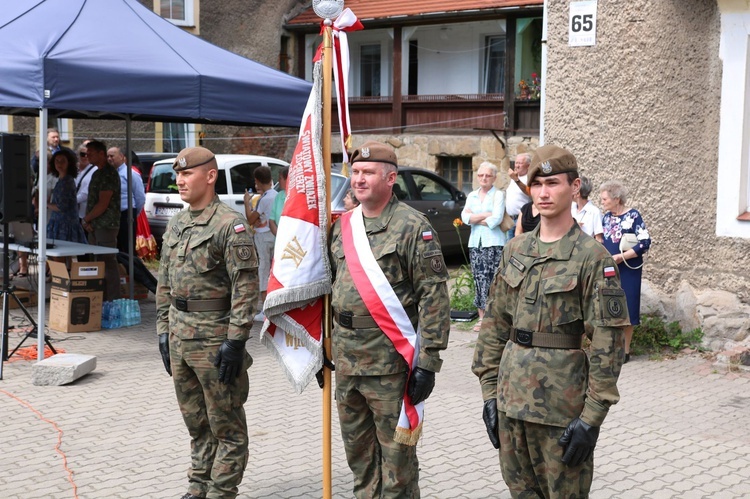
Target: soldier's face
x,y
553,195
196,184
372,182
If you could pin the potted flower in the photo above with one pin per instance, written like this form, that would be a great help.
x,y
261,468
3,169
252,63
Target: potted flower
x,y
530,89
462,291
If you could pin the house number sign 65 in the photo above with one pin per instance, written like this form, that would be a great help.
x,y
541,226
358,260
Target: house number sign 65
x,y
582,24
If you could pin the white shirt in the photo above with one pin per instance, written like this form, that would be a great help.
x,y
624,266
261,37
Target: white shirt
x,y
264,207
139,192
515,198
589,218
82,184
490,234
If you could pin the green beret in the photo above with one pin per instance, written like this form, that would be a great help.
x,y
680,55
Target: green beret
x,y
550,160
192,157
376,152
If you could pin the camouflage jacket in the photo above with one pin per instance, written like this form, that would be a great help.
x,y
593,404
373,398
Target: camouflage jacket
x,y
557,292
105,179
208,256
408,251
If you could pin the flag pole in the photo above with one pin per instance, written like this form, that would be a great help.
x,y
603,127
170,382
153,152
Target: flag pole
x,y
327,76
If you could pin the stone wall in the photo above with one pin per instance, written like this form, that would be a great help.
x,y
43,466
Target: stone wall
x,y
642,105
423,151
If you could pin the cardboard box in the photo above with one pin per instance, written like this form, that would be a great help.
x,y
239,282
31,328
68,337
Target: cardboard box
x,y
140,292
26,297
76,296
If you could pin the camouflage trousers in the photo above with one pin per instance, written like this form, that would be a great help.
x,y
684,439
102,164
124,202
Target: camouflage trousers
x,y
368,408
214,416
531,462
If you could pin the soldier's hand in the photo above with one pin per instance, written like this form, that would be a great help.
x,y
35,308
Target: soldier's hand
x,y
319,375
578,440
229,360
164,351
421,384
489,414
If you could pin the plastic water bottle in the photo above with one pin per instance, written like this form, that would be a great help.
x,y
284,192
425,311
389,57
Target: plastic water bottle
x,y
106,308
137,313
128,321
116,321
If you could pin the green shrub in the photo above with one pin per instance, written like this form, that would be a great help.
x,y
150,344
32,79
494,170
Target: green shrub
x,y
462,293
653,335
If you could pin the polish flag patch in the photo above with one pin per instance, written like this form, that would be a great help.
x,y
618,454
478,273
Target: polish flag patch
x,y
239,228
427,235
609,272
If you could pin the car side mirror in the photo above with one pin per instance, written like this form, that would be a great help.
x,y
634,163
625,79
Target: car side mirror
x,y
460,196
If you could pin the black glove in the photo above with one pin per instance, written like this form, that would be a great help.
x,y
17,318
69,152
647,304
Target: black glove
x,y
319,375
489,414
229,360
164,351
421,384
579,440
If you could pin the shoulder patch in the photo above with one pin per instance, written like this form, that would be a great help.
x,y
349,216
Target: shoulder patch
x,y
243,252
436,264
239,228
427,235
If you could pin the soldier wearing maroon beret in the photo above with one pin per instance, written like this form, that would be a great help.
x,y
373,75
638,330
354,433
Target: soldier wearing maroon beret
x,y
545,398
205,300
373,379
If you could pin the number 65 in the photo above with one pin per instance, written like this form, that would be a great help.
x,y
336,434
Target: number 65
x,y
582,23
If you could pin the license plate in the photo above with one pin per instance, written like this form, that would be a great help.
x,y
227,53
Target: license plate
x,y
167,211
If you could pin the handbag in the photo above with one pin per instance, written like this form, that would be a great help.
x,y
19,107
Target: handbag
x,y
507,222
629,241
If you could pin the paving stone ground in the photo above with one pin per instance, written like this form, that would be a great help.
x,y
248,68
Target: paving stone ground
x,y
682,429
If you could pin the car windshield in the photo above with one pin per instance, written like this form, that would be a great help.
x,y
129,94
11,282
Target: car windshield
x,y
163,179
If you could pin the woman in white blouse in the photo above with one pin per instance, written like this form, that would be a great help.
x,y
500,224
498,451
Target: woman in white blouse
x,y
587,215
484,211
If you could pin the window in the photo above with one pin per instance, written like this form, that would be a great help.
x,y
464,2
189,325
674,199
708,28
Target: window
x,y
242,177
179,12
429,189
221,182
64,127
528,58
369,85
494,65
4,123
456,170
177,136
413,85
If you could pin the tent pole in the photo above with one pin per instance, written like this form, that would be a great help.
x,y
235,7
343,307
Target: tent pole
x,y
42,231
131,215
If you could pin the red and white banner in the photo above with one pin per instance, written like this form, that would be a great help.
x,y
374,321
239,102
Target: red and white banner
x,y
387,311
300,273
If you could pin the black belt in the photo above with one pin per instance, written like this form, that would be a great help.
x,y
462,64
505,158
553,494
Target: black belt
x,y
545,340
349,321
214,305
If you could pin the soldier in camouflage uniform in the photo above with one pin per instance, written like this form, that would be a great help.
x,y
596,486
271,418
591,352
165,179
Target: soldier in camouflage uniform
x,y
545,398
371,376
208,287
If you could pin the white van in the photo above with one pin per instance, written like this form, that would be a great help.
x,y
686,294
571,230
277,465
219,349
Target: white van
x,y
235,175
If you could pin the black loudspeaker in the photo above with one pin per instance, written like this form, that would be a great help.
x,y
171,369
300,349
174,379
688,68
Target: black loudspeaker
x,y
15,178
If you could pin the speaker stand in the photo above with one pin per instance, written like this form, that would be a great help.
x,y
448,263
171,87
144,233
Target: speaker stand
x,y
7,293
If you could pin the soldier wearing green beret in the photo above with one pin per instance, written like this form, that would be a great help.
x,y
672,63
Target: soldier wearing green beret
x,y
208,288
545,398
372,376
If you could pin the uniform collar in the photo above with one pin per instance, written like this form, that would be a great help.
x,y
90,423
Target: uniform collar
x,y
207,212
381,222
561,251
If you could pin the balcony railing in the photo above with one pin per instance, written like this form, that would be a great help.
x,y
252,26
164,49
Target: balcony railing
x,y
441,112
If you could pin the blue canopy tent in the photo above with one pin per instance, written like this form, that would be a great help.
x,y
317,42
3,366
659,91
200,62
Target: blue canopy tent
x,y
116,59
